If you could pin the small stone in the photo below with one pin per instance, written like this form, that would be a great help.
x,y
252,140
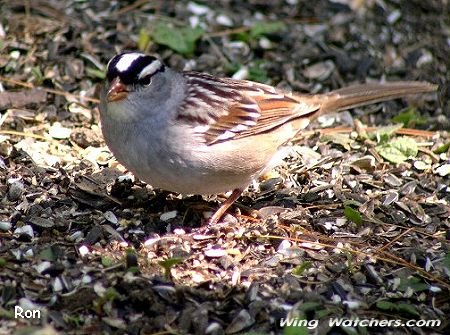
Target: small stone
x,y
25,230
394,16
42,222
319,71
57,285
421,165
179,231
15,191
151,242
215,253
115,322
168,216
443,170
292,252
224,20
273,261
86,279
200,237
352,304
83,250
265,43
125,177
41,267
425,58
94,235
59,132
27,304
76,236
283,245
197,9
241,74
214,328
5,225
109,216
242,321
28,254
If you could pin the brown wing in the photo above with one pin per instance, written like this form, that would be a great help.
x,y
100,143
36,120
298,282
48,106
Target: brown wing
x,y
238,108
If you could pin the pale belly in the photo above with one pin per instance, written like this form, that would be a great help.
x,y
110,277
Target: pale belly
x,y
190,167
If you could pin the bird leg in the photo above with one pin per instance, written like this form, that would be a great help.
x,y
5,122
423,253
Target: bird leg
x,y
223,208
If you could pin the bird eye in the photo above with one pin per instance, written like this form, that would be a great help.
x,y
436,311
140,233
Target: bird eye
x,y
145,80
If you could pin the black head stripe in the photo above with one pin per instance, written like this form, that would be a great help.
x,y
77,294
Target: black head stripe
x,y
128,67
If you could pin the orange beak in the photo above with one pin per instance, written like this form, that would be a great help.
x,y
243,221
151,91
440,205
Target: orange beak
x,y
117,91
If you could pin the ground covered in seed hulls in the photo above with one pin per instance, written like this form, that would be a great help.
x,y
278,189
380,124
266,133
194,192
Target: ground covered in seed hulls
x,y
354,224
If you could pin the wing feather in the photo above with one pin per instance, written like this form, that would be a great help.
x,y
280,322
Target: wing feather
x,y
237,108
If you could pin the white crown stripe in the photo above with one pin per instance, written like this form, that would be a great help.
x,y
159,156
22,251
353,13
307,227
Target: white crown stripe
x,y
150,69
127,60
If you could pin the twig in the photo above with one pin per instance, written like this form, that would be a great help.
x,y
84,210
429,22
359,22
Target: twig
x,y
49,90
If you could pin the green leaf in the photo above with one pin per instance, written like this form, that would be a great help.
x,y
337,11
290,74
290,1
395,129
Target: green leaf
x,y
385,305
322,313
409,118
442,148
401,307
446,261
259,29
383,134
298,270
295,330
75,320
398,150
7,314
231,68
143,39
257,72
37,73
353,215
181,40
133,269
110,294
95,73
107,261
167,264
309,306
416,284
350,330
48,254
263,28
407,308
3,262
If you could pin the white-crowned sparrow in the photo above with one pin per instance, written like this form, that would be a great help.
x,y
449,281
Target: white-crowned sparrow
x,y
194,133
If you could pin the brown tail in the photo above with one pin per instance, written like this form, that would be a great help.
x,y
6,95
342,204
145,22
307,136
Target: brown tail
x,y
360,95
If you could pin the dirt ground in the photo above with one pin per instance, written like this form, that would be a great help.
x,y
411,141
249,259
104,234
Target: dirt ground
x,y
341,230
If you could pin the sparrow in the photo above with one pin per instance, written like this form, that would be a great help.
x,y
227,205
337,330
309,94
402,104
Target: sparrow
x,y
194,133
